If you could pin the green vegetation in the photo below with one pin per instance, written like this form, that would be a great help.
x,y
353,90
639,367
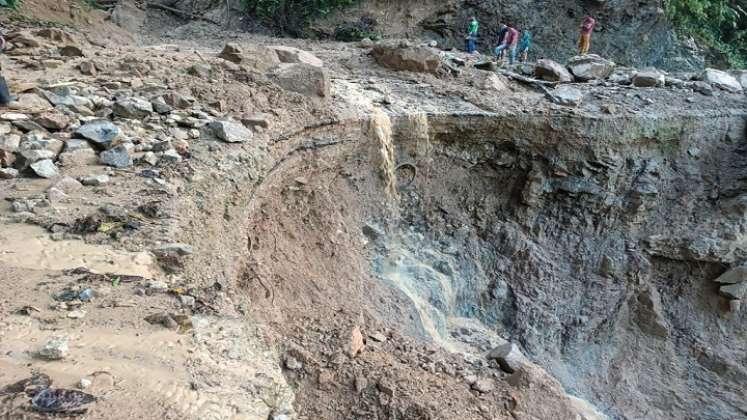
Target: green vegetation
x,y
292,16
13,4
720,24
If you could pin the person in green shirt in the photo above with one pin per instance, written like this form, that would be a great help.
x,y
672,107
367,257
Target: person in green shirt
x,y
472,35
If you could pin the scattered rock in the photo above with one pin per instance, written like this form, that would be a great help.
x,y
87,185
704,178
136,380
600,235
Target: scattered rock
x,y
200,70
357,343
302,78
132,108
489,82
484,385
649,78
68,185
76,314
486,65
8,173
378,337
55,35
552,71
722,80
177,101
101,132
737,291
171,256
84,383
71,51
292,363
95,180
160,105
703,88
118,157
13,116
53,121
231,52
734,275
257,120
509,357
158,285
170,321
54,195
590,67
55,349
230,132
32,101
295,55
567,95
415,59
187,301
171,156
88,68
45,168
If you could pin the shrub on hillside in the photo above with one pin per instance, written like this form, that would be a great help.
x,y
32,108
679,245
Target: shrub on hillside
x,y
720,24
292,16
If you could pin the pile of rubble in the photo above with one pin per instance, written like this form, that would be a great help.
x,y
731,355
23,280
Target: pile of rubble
x,y
593,68
76,124
125,118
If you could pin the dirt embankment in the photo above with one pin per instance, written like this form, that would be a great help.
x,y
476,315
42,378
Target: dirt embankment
x,y
287,234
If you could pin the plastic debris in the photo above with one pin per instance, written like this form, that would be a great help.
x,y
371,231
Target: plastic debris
x,y
56,400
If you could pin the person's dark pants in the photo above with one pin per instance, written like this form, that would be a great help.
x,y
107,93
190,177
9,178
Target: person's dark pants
x,y
471,45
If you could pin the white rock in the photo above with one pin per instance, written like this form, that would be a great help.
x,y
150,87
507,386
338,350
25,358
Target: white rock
x,y
722,80
55,349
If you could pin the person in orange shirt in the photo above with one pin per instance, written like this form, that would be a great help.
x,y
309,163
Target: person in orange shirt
x,y
587,27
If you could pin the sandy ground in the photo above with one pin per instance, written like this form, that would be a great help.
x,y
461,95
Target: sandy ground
x,y
282,292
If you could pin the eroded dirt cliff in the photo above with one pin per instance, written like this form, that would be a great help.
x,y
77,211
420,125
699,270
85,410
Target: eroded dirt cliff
x,y
274,233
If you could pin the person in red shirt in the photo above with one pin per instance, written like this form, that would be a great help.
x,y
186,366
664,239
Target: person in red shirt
x,y
587,27
510,41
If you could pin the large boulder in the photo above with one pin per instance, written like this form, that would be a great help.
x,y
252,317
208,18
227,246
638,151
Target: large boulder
x,y
295,55
259,58
722,80
302,78
509,357
590,67
649,78
407,58
552,71
128,16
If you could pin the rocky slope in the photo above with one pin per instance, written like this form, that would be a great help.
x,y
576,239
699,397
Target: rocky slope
x,y
633,33
366,231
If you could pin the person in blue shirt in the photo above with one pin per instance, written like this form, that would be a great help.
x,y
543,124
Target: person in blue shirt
x,y
525,43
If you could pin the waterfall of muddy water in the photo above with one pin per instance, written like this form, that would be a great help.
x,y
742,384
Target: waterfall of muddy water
x,y
380,129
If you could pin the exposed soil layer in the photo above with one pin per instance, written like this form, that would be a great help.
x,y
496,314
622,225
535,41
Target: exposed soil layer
x,y
358,255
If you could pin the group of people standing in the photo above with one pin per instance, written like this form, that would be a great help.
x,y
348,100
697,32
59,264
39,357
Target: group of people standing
x,y
515,43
